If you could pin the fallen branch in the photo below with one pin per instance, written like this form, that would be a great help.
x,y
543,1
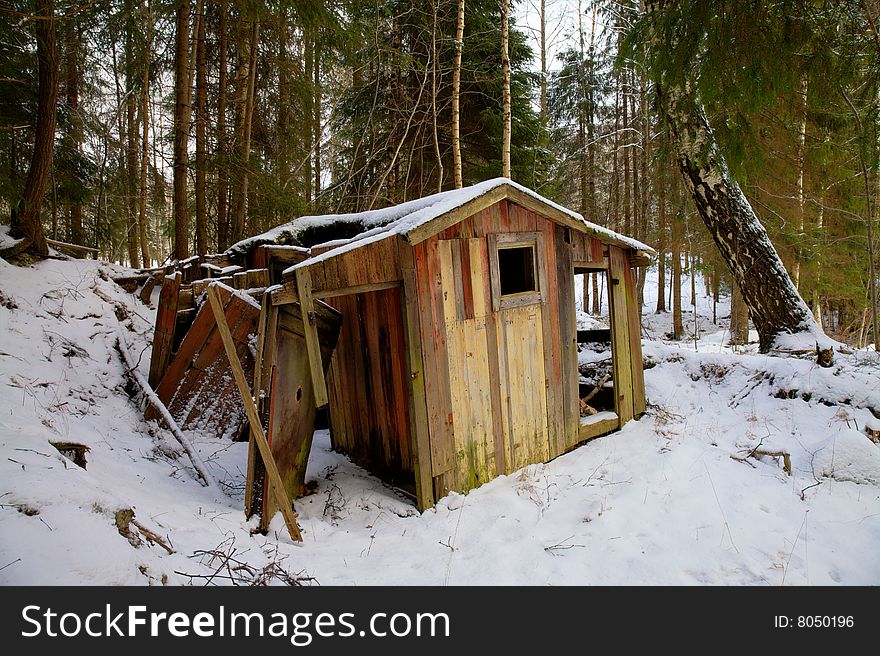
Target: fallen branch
x,y
152,537
156,402
597,388
786,457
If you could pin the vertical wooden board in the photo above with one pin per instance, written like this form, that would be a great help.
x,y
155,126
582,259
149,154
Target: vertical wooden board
x,y
415,382
469,380
620,336
292,416
504,224
434,340
399,376
635,342
166,322
480,284
567,339
550,323
526,376
595,249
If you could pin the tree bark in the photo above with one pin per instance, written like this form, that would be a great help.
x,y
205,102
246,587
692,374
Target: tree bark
x,y
181,130
661,241
309,56
505,77
801,161
739,317
222,143
75,134
543,37
776,306
317,130
677,327
131,140
145,139
26,219
201,137
456,98
768,291
434,96
240,192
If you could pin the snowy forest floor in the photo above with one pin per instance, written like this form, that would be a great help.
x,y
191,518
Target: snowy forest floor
x,y
664,501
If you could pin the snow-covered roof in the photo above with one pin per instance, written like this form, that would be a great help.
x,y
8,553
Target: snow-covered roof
x,y
410,220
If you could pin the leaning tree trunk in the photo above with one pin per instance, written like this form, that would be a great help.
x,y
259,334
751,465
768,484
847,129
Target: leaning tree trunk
x,y
775,305
26,218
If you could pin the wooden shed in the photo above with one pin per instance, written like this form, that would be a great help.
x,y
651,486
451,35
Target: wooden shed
x,y
457,357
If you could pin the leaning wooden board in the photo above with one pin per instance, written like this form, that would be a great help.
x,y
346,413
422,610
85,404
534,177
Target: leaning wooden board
x,y
197,386
290,415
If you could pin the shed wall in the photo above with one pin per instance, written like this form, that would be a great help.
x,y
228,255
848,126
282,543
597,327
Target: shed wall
x,y
368,385
501,386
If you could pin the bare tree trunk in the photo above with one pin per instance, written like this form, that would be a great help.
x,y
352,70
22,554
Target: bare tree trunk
x,y
181,130
644,158
309,56
817,301
145,139
677,327
661,245
222,138
543,35
739,317
201,138
434,96
26,219
801,160
505,77
240,193
869,220
317,129
627,216
76,129
131,140
456,98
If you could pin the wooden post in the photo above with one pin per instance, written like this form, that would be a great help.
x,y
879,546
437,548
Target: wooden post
x,y
620,335
310,328
250,408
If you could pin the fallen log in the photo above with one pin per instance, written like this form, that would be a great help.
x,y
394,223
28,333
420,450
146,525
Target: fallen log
x,y
154,401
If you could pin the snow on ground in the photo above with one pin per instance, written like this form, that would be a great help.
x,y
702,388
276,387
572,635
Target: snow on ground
x,y
664,501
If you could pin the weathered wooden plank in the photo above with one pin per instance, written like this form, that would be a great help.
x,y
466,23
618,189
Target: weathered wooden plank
x,y
433,337
620,336
596,426
551,318
634,323
324,294
567,339
291,417
304,291
166,322
276,484
482,311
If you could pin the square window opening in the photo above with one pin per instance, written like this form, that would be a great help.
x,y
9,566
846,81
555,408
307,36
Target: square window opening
x,y
516,270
